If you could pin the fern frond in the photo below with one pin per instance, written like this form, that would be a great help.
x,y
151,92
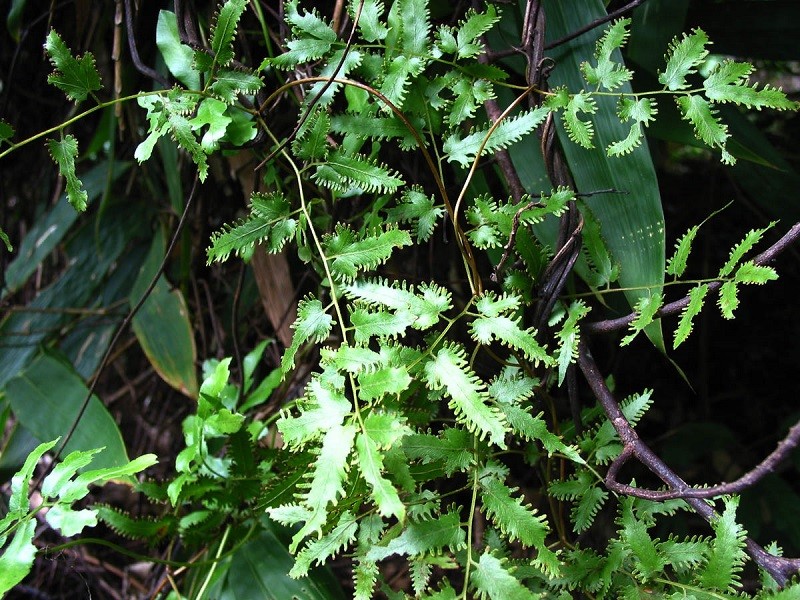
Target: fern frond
x,y
324,406
464,150
707,126
224,29
318,551
739,250
76,77
348,255
64,153
269,222
419,209
493,581
343,173
312,323
424,536
683,57
448,370
697,297
608,73
646,309
728,82
370,463
580,132
726,555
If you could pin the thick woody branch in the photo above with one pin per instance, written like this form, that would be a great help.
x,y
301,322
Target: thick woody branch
x,y
781,569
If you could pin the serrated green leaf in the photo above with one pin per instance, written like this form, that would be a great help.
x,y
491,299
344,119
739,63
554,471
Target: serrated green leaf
x,y
342,173
423,306
453,447
729,82
383,382
269,222
229,83
580,132
420,537
312,139
515,518
728,298
683,56
448,370
493,581
348,255
312,323
381,324
608,73
707,126
318,551
6,131
676,265
325,406
569,337
511,130
77,78
370,463
16,560
646,310
419,209
739,250
697,297
327,480
370,23
726,555
508,332
301,51
64,153
535,428
750,272
467,42
649,562
224,29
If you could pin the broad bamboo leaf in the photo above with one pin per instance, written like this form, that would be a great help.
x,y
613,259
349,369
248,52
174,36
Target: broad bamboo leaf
x,y
48,416
632,221
162,325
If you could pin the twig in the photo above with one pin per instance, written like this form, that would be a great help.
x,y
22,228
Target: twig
x,y
781,569
677,306
595,23
137,62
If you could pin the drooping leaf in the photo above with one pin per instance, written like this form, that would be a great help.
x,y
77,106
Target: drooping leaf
x,y
649,562
76,77
370,462
696,298
569,338
223,30
707,126
64,153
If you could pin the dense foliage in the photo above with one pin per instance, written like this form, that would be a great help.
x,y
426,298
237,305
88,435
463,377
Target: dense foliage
x,y
438,213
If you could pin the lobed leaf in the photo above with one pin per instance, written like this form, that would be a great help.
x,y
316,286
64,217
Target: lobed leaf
x,y
608,73
750,272
327,480
464,150
370,23
696,299
492,580
728,82
448,370
370,463
342,173
312,323
64,153
513,516
318,551
739,250
348,255
726,555
683,57
76,77
676,265
420,537
646,309
707,127
223,30
419,209
580,132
